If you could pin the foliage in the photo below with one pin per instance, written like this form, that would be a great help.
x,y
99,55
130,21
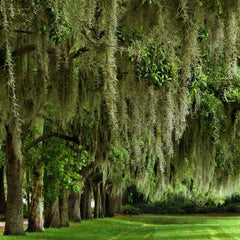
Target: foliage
x,y
62,169
129,36
212,108
210,91
179,204
2,158
119,175
152,65
118,156
212,3
203,34
131,210
25,210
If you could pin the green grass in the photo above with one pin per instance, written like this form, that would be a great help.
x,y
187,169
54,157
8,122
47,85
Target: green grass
x,y
145,227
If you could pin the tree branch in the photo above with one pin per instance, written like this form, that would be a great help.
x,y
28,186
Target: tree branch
x,y
32,47
19,31
49,135
79,52
23,50
29,48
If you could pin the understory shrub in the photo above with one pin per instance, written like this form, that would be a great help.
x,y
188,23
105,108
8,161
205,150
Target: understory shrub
x,y
180,205
128,209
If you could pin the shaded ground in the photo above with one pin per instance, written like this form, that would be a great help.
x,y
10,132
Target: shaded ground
x,y
152,227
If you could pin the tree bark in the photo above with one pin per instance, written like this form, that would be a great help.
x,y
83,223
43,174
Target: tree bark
x,y
35,218
110,205
14,215
97,200
125,195
98,212
63,208
113,204
74,213
3,203
28,189
118,203
103,199
86,212
52,216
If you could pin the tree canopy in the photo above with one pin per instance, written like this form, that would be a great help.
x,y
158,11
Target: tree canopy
x,y
128,92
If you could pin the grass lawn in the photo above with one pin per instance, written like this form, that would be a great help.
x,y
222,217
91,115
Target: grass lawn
x,y
145,227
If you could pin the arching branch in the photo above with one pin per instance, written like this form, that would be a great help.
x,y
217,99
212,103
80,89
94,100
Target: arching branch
x,y
32,47
23,50
49,135
19,31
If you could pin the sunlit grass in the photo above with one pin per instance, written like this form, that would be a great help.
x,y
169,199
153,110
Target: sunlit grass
x,y
145,227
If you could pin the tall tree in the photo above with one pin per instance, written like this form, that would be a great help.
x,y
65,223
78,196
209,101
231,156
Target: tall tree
x,y
28,41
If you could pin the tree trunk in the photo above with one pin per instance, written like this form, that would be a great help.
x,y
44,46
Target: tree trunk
x,y
113,204
52,216
118,203
74,213
14,215
125,195
3,203
86,212
103,199
98,212
110,205
35,218
28,190
97,200
63,208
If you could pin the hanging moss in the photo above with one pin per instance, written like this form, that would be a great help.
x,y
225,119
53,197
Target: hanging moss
x,y
167,111
155,123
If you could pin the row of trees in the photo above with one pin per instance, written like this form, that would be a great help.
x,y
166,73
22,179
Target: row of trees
x,y
109,94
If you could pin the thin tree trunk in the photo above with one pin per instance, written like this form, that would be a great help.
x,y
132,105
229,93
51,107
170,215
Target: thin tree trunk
x,y
63,208
52,216
3,203
97,196
14,215
98,212
86,212
103,199
74,207
27,190
35,218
